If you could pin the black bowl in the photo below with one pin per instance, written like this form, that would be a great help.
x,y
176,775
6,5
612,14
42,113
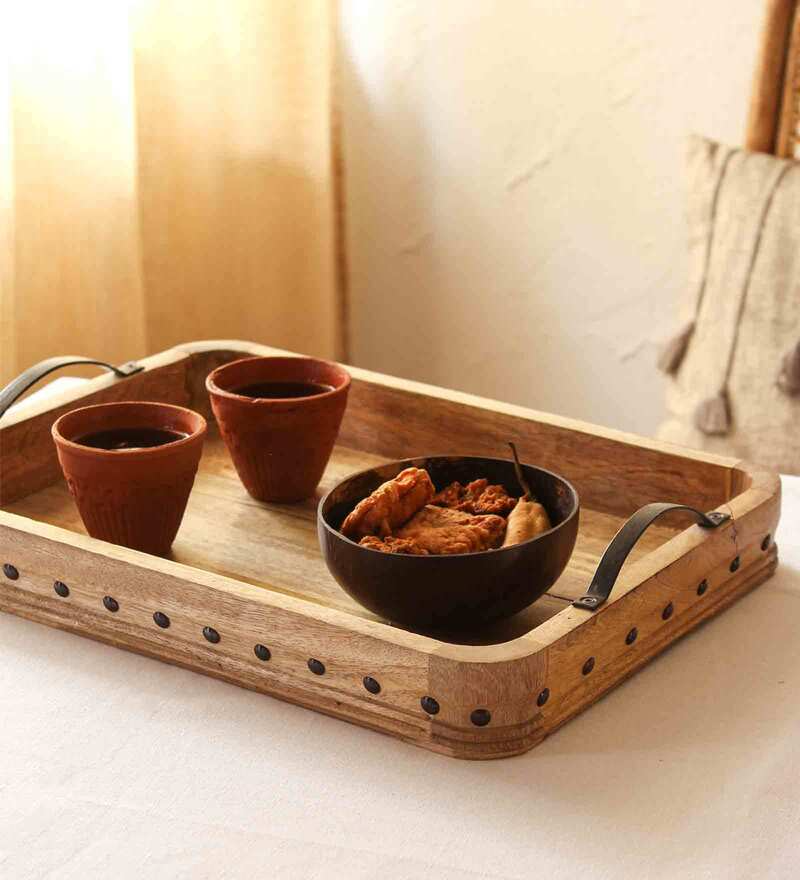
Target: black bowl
x,y
460,591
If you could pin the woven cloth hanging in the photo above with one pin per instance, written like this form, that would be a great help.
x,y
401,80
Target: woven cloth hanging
x,y
712,415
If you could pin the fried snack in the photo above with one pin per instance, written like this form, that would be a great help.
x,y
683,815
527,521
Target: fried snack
x,y
390,505
476,497
442,530
393,545
526,520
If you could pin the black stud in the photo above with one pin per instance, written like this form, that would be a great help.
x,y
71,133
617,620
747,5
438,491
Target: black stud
x,y
429,705
766,542
543,697
632,636
588,666
262,652
667,612
480,717
111,603
702,587
371,685
316,666
61,588
161,619
10,571
210,635
735,564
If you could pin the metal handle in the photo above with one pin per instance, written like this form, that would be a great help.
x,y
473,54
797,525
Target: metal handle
x,y
623,542
17,387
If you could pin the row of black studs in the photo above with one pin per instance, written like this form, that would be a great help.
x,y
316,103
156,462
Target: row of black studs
x,y
666,613
479,717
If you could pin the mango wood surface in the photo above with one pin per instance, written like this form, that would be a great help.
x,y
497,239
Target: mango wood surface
x,y
253,572
275,546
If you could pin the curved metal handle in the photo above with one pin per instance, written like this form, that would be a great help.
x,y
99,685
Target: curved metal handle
x,y
17,387
623,542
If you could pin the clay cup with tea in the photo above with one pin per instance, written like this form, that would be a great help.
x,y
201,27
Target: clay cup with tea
x,y
279,417
130,467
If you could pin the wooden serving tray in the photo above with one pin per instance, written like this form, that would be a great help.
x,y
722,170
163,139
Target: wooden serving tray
x,y
254,572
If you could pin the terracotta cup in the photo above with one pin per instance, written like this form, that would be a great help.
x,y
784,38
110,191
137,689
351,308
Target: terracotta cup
x,y
134,497
280,446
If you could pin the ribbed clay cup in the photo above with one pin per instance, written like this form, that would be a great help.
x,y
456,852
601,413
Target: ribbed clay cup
x,y
132,497
279,446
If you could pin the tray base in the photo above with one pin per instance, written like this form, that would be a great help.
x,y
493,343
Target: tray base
x,y
275,546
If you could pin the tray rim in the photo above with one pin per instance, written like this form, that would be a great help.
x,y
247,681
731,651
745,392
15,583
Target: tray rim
x,y
756,485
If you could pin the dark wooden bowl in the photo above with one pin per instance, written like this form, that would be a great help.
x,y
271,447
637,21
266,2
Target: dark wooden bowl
x,y
460,591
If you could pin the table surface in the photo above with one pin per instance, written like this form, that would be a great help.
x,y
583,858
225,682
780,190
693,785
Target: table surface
x,y
113,765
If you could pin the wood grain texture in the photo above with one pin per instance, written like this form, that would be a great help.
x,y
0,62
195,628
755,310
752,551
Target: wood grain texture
x,y
775,98
252,572
788,132
395,418
767,91
275,545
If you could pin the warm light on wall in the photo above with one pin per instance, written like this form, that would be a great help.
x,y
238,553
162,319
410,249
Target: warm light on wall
x,y
70,76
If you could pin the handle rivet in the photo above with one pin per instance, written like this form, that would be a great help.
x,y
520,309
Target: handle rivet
x,y
735,564
543,697
702,587
480,717
766,542
588,666
316,666
631,637
371,684
111,603
429,705
161,619
667,612
211,635
262,652
10,571
61,589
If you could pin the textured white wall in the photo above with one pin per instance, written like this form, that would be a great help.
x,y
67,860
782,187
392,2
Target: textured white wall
x,y
515,188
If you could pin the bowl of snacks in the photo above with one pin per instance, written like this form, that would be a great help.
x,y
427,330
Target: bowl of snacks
x,y
448,541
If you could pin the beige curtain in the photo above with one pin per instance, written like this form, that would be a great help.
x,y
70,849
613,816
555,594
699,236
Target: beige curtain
x,y
165,175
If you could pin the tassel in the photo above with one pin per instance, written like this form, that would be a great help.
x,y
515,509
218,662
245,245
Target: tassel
x,y
713,416
673,352
789,378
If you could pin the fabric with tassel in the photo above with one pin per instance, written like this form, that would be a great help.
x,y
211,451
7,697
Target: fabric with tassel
x,y
737,390
709,167
713,415
789,377
673,352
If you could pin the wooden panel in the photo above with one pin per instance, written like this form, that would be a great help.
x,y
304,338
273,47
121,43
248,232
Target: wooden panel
x,y
772,125
242,616
609,475
788,135
613,471
766,99
393,418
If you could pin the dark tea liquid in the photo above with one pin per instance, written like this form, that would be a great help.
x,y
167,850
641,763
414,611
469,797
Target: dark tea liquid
x,y
130,438
277,390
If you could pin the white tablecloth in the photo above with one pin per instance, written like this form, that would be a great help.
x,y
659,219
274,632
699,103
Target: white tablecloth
x,y
116,766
